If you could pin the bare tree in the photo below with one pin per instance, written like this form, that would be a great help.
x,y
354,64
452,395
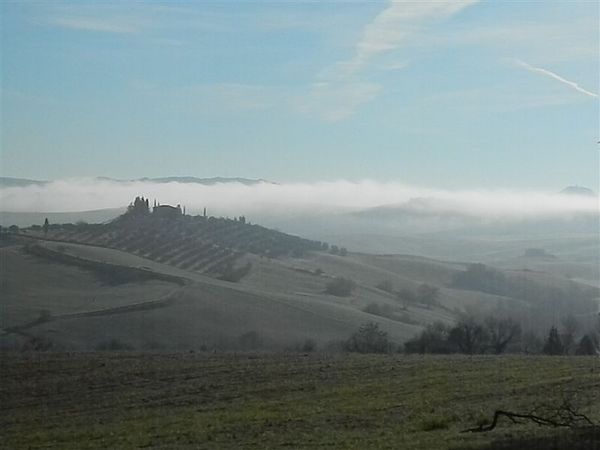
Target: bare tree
x,y
501,332
468,336
570,328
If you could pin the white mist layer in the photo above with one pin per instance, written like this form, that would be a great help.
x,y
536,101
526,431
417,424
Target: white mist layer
x,y
231,199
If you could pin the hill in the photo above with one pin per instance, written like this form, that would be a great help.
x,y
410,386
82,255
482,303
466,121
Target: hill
x,y
27,219
200,282
197,243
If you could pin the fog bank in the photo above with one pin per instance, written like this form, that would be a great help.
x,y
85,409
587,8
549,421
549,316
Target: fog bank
x,y
230,199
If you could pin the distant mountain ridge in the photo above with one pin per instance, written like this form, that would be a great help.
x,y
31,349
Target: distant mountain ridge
x,y
7,182
207,181
20,182
578,190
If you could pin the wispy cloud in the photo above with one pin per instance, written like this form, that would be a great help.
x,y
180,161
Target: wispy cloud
x,y
334,102
100,25
339,91
216,98
548,73
393,25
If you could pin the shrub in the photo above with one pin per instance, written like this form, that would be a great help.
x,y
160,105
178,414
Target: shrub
x,y
587,346
378,309
340,286
369,339
38,344
433,339
234,275
309,345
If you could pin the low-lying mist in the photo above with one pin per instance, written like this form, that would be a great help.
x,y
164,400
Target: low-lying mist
x,y
289,199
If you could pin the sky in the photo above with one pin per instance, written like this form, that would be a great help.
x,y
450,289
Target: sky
x,y
458,95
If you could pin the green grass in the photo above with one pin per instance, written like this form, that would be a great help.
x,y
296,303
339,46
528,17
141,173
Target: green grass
x,y
130,400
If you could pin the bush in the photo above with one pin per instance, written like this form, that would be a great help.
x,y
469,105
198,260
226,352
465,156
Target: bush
x,y
369,339
378,309
587,346
309,346
340,286
433,339
234,275
38,344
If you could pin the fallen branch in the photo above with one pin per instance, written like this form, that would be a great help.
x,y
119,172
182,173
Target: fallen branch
x,y
564,416
514,418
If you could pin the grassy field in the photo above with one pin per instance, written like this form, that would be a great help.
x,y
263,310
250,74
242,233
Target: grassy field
x,y
30,285
196,400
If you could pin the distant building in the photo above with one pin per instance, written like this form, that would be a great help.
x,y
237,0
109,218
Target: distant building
x,y
167,211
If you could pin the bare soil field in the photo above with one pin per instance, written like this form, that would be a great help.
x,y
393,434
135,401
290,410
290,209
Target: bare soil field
x,y
204,400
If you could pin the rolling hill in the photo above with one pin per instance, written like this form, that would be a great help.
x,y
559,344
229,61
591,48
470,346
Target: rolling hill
x,y
150,282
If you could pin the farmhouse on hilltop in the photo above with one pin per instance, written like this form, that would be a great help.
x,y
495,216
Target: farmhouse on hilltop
x,y
141,207
167,211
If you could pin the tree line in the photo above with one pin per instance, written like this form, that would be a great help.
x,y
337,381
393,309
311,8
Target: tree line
x,y
497,335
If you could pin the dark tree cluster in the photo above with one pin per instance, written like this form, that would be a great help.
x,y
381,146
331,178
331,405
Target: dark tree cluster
x,y
369,339
335,250
139,207
566,343
500,335
340,287
468,336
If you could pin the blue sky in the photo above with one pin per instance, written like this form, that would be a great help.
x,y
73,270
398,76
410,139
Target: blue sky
x,y
456,95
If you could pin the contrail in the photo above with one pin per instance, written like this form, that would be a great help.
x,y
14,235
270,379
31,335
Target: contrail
x,y
556,77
